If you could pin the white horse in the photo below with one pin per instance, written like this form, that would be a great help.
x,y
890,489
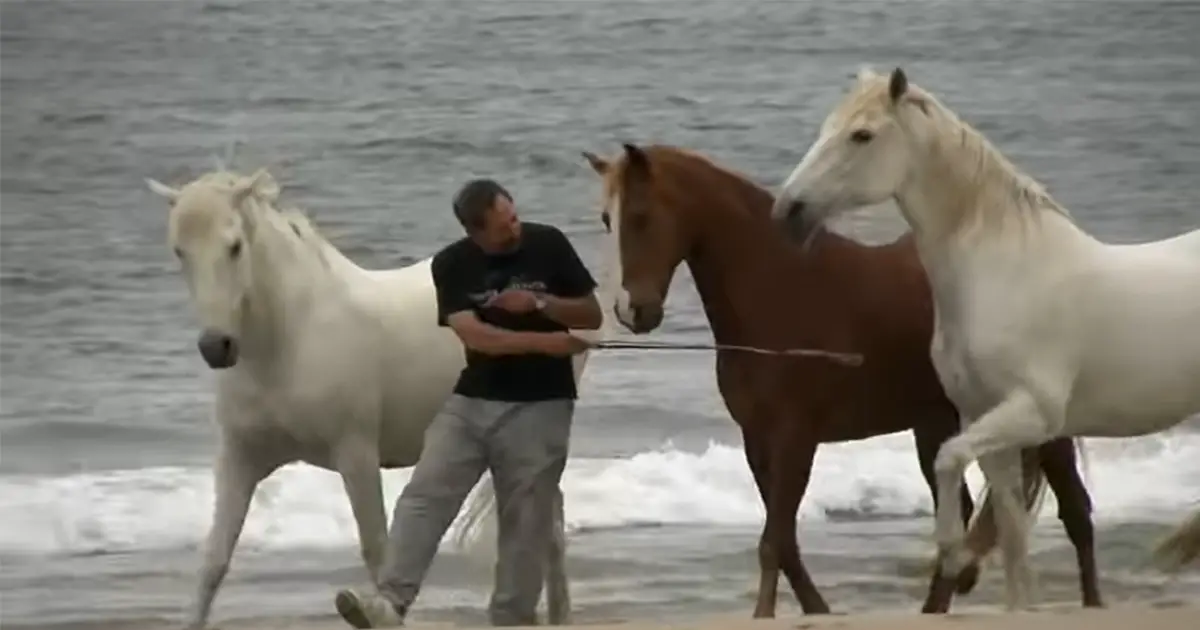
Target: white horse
x,y
1042,331
318,360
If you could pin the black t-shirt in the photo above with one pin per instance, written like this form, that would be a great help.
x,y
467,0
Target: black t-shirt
x,y
466,277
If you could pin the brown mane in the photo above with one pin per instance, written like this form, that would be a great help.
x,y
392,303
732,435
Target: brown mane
x,y
670,161
758,289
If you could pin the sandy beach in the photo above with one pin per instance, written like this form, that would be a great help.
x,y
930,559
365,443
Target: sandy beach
x,y
1167,614
371,114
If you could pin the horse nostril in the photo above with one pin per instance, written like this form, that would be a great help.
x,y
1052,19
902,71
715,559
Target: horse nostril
x,y
638,312
217,349
796,209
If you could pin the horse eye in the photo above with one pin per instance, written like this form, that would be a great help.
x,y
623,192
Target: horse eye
x,y
861,136
178,253
235,250
606,221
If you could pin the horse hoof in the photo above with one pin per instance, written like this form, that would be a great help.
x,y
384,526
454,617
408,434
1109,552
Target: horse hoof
x,y
967,580
818,607
941,591
954,558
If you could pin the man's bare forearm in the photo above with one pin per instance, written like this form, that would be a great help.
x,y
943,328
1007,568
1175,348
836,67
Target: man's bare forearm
x,y
498,341
493,340
578,313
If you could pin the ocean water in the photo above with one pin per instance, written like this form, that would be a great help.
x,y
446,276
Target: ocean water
x,y
373,112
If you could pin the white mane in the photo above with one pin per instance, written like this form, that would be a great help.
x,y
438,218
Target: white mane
x,y
303,227
981,184
290,226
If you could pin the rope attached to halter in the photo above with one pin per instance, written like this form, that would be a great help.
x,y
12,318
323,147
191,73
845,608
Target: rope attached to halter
x,y
844,358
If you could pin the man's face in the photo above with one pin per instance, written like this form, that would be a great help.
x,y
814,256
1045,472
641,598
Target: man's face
x,y
501,228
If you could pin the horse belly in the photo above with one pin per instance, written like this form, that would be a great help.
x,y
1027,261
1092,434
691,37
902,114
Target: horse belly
x,y
1140,365
1125,390
420,360
415,391
1135,398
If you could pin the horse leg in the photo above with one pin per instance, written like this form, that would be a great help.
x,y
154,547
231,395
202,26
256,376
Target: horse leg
x,y
1074,510
1019,420
357,461
768,567
1003,471
787,491
558,596
941,589
236,474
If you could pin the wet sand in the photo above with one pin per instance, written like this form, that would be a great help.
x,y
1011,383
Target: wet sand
x,y
1156,615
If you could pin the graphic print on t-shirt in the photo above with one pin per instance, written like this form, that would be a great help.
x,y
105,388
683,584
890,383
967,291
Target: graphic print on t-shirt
x,y
495,282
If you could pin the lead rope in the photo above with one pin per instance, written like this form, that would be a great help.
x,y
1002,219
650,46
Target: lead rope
x,y
843,358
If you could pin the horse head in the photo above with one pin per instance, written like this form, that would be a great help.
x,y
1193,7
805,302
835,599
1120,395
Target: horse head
x,y
863,155
647,237
212,226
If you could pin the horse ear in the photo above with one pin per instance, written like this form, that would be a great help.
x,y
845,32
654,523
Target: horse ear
x,y
261,184
162,189
897,85
865,73
635,156
597,162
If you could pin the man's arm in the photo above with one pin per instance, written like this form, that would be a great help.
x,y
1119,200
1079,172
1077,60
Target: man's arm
x,y
574,303
455,310
485,338
578,313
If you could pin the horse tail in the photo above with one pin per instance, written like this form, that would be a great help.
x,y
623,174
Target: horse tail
x,y
1181,547
473,520
1085,464
982,536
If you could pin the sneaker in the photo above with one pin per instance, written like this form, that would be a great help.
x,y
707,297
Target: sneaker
x,y
367,611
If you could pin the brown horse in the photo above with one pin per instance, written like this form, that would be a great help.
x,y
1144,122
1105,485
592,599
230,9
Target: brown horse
x,y
666,205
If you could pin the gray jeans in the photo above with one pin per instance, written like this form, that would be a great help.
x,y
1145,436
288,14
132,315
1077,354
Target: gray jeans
x,y
524,445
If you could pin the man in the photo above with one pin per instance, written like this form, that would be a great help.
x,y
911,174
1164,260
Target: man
x,y
509,290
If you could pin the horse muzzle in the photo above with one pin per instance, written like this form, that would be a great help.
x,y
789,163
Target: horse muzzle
x,y
218,350
796,218
640,319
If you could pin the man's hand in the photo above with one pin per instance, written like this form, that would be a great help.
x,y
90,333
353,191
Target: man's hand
x,y
581,312
517,301
564,344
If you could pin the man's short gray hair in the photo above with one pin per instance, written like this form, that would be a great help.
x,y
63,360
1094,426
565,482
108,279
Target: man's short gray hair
x,y
473,201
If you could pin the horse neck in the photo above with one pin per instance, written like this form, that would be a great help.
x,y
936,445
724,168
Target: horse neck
x,y
288,279
966,193
734,251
